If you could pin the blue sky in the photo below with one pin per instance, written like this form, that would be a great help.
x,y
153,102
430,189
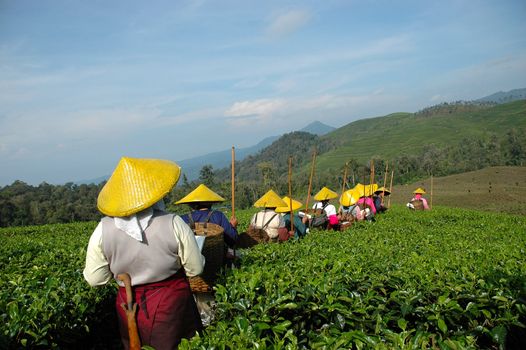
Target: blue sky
x,y
83,83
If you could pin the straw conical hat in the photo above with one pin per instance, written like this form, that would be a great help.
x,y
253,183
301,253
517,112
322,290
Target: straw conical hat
x,y
325,194
365,190
419,191
201,194
295,205
349,198
270,200
383,190
136,184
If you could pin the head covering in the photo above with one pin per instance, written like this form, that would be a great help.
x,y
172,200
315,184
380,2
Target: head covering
x,y
365,190
137,184
349,197
270,200
382,190
295,205
419,190
201,194
325,194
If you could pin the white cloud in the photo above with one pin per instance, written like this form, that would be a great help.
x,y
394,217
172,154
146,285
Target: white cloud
x,y
288,22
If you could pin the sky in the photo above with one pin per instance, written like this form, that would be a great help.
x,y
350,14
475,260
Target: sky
x,y
84,83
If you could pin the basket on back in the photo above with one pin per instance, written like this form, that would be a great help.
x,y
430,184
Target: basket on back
x,y
213,251
418,204
252,237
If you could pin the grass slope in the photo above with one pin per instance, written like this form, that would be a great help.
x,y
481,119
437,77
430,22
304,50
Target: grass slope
x,y
400,133
497,189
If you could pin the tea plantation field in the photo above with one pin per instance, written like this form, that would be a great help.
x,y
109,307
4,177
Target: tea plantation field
x,y
444,279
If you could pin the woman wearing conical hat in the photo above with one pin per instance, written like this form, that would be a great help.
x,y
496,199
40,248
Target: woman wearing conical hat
x,y
201,200
418,202
300,229
323,197
378,199
267,219
349,210
366,202
157,249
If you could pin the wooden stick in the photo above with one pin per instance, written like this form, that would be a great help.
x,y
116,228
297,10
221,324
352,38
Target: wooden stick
x,y
233,182
385,181
290,196
431,202
310,180
372,176
344,177
390,189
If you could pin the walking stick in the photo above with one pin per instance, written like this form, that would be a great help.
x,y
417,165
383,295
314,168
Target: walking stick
x,y
385,182
344,177
431,202
310,180
390,190
372,176
233,182
130,308
290,196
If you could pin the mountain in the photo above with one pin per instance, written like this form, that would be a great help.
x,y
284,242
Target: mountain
x,y
504,97
192,166
318,128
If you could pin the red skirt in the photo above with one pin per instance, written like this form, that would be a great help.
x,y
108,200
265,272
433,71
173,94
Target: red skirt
x,y
166,312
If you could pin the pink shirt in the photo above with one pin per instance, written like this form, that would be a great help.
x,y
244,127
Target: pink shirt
x,y
418,196
368,203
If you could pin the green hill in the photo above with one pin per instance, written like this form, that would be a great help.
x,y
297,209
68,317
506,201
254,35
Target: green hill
x,y
407,133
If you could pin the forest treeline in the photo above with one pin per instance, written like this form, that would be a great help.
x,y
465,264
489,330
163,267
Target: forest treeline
x,y
23,204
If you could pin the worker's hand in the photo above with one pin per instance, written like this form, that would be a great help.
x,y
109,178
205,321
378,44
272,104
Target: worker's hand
x,y
233,221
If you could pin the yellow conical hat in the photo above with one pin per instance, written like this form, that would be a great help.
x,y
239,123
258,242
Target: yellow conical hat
x,y
136,184
349,198
295,205
365,190
383,190
419,191
201,194
325,194
270,200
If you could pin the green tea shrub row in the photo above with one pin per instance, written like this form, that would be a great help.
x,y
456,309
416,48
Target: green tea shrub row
x,y
447,278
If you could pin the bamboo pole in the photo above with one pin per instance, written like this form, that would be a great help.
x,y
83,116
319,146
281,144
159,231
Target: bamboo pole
x,y
233,182
431,202
390,189
372,176
290,196
385,181
344,177
310,180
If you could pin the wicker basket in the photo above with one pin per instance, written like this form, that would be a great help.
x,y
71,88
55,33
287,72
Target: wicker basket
x,y
418,204
252,237
214,252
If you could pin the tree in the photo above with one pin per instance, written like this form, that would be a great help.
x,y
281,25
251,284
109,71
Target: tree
x,y
206,175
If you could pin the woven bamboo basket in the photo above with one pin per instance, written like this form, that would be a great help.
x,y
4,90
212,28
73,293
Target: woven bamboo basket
x,y
418,204
252,237
214,252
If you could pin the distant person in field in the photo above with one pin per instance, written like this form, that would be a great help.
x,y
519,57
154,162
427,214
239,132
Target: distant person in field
x,y
267,219
157,249
418,202
349,211
323,205
200,201
365,202
300,230
379,199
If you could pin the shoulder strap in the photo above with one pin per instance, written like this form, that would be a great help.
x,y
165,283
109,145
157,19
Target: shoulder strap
x,y
269,220
191,221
